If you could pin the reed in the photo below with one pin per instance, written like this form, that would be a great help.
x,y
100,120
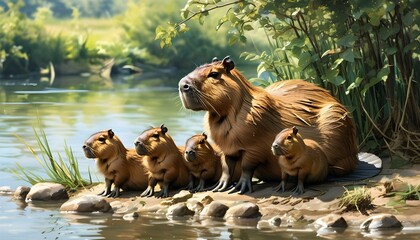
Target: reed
x,y
60,169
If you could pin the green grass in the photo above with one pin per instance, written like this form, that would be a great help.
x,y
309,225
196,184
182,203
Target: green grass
x,y
62,170
98,30
357,199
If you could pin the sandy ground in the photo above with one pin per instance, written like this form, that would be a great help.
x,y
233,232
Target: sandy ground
x,y
317,201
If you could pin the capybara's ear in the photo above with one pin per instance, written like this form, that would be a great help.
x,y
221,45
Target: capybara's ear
x,y
163,129
110,133
215,59
295,130
205,135
228,64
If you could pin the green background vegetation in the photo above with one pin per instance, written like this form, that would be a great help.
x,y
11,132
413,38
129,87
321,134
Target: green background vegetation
x,y
365,52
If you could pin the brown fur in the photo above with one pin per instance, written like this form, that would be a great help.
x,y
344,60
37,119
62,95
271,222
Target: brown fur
x,y
299,157
204,161
243,119
120,166
163,161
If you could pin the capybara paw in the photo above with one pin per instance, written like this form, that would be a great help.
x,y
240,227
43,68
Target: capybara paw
x,y
147,193
243,185
298,190
163,194
221,186
280,187
113,194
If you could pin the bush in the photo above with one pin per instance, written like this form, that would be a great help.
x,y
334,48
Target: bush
x,y
365,52
196,46
26,47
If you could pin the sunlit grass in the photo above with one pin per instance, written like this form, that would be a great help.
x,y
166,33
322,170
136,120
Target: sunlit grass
x,y
62,170
357,199
102,30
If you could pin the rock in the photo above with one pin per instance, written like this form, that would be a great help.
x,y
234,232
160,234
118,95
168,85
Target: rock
x,y
21,192
243,210
275,221
179,210
87,203
263,225
214,209
182,196
130,216
332,221
47,192
194,205
271,223
206,200
381,221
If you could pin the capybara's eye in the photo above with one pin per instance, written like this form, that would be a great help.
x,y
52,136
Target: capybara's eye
x,y
156,135
214,75
289,137
201,141
101,139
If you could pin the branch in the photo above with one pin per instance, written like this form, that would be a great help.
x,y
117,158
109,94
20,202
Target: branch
x,y
208,10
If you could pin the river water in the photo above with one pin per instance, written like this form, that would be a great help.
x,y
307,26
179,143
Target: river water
x,y
69,111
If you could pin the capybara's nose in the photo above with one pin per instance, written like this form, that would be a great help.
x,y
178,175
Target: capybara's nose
x,y
136,143
190,155
184,84
275,149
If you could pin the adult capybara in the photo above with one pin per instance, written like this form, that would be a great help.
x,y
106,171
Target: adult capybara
x,y
163,161
205,161
243,119
299,157
121,166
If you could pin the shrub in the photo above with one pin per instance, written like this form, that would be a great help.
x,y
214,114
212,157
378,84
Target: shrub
x,y
365,52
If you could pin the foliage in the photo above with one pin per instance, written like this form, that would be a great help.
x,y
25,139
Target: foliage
x,y
62,170
196,46
401,191
26,46
357,199
64,8
364,52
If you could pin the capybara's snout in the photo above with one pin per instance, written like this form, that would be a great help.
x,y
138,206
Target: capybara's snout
x,y
190,155
88,151
185,85
140,147
276,149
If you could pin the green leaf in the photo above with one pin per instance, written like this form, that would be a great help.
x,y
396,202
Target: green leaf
x,y
347,41
338,80
391,50
184,13
372,82
348,55
248,27
304,60
337,63
354,85
182,28
383,73
297,42
333,77
408,19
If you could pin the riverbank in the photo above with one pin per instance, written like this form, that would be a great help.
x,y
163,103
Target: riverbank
x,y
317,201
